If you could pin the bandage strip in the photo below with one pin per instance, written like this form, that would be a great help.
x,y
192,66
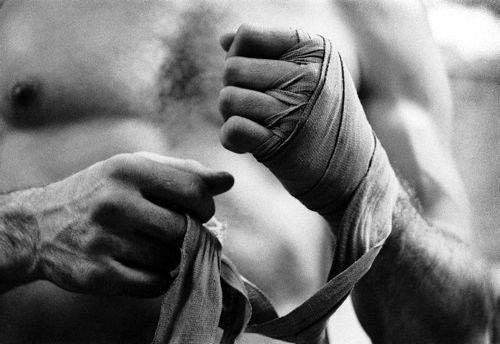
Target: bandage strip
x,y
328,143
326,136
208,290
363,229
192,306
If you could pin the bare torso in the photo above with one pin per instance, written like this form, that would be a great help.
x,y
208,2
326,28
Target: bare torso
x,y
97,70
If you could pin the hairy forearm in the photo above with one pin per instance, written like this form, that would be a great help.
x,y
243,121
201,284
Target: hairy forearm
x,y
426,286
410,136
18,241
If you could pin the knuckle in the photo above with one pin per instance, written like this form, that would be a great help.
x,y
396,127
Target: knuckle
x,y
234,136
245,30
116,166
112,200
232,70
116,161
233,130
111,203
193,165
225,100
125,165
99,274
226,143
228,135
99,244
138,159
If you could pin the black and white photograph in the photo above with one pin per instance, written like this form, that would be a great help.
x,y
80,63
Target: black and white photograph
x,y
249,171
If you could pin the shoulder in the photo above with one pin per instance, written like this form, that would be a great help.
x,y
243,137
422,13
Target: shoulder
x,y
407,99
398,56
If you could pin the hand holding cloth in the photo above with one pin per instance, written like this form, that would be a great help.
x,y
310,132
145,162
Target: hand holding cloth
x,y
290,101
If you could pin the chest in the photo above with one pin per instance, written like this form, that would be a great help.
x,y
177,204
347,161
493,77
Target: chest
x,y
273,240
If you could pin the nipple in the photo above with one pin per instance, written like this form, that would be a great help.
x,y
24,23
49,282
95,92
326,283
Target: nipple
x,y
24,94
24,98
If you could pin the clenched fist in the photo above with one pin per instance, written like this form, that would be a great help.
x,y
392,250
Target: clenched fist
x,y
115,228
289,100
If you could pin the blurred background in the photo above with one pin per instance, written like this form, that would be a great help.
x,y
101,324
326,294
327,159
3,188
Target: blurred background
x,y
468,33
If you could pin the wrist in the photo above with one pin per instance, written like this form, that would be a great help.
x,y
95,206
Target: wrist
x,y
19,240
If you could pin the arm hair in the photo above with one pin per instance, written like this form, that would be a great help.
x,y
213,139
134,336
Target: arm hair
x,y
426,286
19,238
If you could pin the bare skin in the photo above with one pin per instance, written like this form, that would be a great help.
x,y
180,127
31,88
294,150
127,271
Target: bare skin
x,y
69,146
47,143
406,296
106,230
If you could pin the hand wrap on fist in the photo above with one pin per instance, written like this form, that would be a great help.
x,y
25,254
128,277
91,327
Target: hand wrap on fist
x,y
290,101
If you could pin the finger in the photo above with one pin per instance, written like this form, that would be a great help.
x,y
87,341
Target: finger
x,y
126,215
169,187
226,40
217,182
241,135
166,226
258,74
162,224
135,282
257,106
144,253
256,41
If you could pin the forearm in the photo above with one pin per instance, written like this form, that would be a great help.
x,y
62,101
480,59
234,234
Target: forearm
x,y
410,137
426,286
18,243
